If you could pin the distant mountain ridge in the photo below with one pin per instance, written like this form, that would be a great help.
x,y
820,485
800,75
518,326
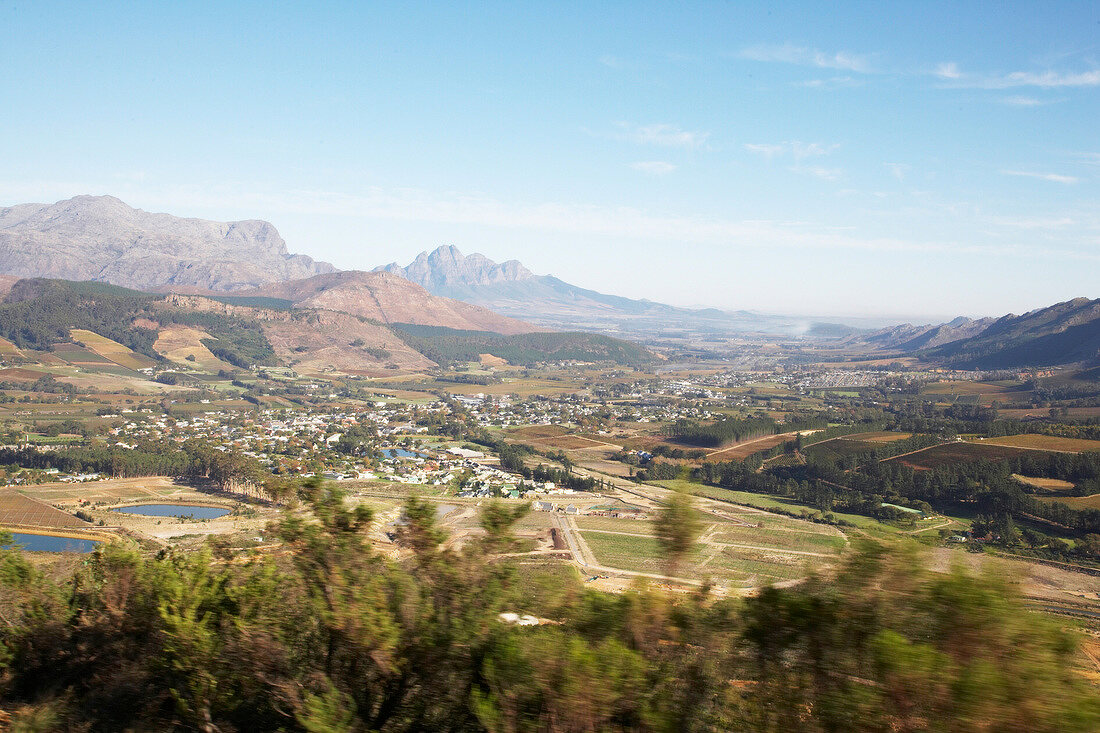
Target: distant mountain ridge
x,y
101,238
1063,333
511,289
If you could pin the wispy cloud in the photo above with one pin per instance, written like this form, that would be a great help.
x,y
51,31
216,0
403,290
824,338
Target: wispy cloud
x,y
1052,177
834,82
563,218
954,77
1020,101
948,70
817,171
794,148
612,62
662,134
898,170
653,167
789,53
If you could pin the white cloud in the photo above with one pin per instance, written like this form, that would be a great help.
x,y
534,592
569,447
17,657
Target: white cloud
x,y
834,82
1042,79
653,167
817,171
1052,177
789,53
795,148
948,70
1019,101
768,150
612,62
663,135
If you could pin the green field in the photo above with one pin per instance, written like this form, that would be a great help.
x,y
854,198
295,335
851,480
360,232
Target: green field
x,y
640,554
781,538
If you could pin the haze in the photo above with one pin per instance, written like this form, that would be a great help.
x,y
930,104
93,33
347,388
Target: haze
x,y
884,160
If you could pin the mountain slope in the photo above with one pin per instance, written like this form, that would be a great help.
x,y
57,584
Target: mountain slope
x,y
1063,333
101,238
390,299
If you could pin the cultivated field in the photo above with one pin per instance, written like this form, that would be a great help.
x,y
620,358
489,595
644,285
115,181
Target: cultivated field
x,y
882,436
1045,442
1075,502
746,448
966,388
111,350
945,455
116,491
179,342
16,509
1046,484
839,448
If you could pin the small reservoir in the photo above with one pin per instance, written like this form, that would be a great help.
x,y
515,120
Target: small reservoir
x,y
180,511
401,453
52,543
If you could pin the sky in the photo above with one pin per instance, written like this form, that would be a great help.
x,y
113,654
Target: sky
x,y
886,159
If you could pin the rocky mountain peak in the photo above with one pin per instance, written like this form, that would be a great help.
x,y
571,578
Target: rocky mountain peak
x,y
447,267
102,238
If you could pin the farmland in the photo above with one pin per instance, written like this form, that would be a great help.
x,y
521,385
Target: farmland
x,y
746,448
1075,502
1046,484
1045,442
881,436
111,350
956,452
19,510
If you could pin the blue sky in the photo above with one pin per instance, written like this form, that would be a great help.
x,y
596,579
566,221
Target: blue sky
x,y
888,159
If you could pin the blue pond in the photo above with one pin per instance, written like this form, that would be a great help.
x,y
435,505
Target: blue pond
x,y
400,453
52,543
174,510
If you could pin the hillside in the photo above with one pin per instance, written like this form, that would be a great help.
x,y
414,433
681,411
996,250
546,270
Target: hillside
x,y
91,323
447,346
1063,333
319,340
389,299
101,238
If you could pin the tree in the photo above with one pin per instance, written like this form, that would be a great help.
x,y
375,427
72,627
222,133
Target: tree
x,y
677,528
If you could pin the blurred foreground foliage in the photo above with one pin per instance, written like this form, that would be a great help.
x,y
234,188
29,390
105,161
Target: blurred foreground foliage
x,y
327,634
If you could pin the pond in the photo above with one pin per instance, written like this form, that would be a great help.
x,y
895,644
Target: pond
x,y
400,453
52,543
182,511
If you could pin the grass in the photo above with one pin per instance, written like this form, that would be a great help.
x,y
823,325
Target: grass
x,y
881,436
111,350
769,501
1046,484
627,552
1045,442
781,539
1074,502
632,526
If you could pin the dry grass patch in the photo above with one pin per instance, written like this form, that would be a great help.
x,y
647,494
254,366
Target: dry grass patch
x,y
1046,484
1045,442
111,350
179,342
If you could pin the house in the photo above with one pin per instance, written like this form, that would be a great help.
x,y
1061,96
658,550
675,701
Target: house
x,y
543,506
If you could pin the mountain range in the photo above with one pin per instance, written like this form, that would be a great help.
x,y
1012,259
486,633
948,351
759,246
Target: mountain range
x,y
100,238
511,289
